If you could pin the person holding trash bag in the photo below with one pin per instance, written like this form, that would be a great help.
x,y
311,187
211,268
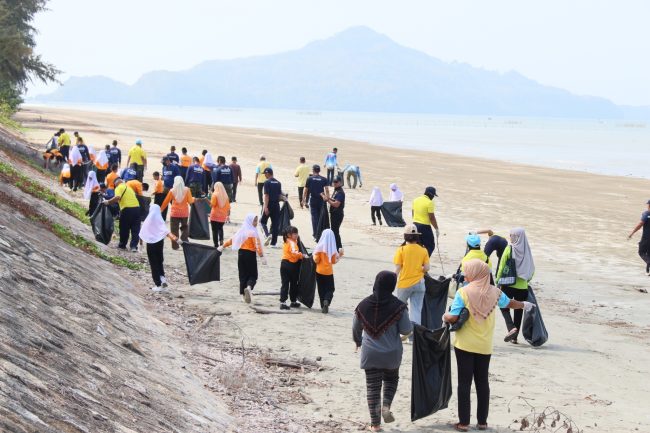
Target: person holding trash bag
x,y
473,341
325,255
129,214
181,198
411,263
220,212
376,200
153,232
515,271
290,269
376,327
91,192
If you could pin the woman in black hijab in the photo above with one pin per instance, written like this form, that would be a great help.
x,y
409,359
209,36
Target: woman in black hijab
x,y
378,322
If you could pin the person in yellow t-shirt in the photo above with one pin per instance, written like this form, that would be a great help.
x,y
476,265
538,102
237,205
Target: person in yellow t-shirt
x,y
411,263
424,217
138,156
64,143
301,175
129,214
260,178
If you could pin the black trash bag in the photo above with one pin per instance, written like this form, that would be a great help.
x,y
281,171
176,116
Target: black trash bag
x,y
285,217
145,204
202,263
431,374
307,278
532,327
200,221
102,223
392,212
435,301
323,221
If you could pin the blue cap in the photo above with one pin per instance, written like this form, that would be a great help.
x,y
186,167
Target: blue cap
x,y
473,240
138,141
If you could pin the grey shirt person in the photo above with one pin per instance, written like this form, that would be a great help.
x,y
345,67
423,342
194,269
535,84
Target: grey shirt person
x,y
386,351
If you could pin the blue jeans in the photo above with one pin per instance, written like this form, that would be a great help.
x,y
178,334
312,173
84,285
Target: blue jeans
x,y
414,295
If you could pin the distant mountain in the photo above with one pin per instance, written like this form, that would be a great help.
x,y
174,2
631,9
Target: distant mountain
x,y
355,70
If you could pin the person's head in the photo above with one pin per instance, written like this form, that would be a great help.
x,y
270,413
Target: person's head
x,y
115,143
61,131
476,270
384,286
196,160
337,182
114,168
517,234
411,234
302,160
102,187
184,150
156,175
204,152
393,187
76,133
138,142
172,149
268,173
80,140
315,168
134,166
145,187
262,158
166,161
290,232
107,147
430,192
57,134
335,150
473,241
251,219
221,160
648,203
233,160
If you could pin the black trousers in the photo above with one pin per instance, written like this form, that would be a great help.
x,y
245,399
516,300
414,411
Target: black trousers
x,y
301,190
247,265
644,252
155,256
234,192
77,175
94,202
228,188
426,236
274,215
315,207
101,175
260,193
65,152
517,295
217,232
139,172
374,379
158,199
289,273
129,224
330,176
183,171
336,219
325,287
473,366
375,211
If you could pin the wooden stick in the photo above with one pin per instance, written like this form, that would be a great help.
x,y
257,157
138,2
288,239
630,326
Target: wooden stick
x,y
262,310
266,293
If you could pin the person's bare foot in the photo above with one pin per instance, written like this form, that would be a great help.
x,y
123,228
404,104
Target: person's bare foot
x,y
375,428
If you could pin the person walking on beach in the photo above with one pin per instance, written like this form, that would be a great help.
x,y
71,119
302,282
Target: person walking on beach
x,y
247,243
644,243
524,269
376,200
208,164
64,144
222,173
271,207
76,168
290,269
170,172
91,192
260,178
115,155
315,186
173,156
337,205
325,256
195,177
301,174
474,340
129,214
111,176
220,211
184,162
411,263
330,164
101,164
85,157
153,233
138,157
378,322
424,217
236,177
353,172
395,193
180,198
496,243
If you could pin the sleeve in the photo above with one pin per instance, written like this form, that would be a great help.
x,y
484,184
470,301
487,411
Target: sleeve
x,y
431,208
503,300
213,201
398,259
188,196
405,325
266,188
317,257
502,264
164,204
258,246
644,216
357,329
457,305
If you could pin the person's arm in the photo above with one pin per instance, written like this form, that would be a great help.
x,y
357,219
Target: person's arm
x,y
398,269
172,237
636,229
190,197
128,161
334,203
260,251
266,203
316,257
144,161
304,195
426,266
357,331
164,204
119,157
296,173
488,232
457,306
405,326
502,263
359,175
115,199
434,222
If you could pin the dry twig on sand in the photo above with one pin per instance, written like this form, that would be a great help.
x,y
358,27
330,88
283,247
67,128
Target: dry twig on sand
x,y
548,420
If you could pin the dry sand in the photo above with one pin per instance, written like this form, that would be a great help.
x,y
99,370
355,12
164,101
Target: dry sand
x,y
596,363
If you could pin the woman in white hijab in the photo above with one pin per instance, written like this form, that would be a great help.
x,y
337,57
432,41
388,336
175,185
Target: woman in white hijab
x,y
376,200
247,243
101,163
395,193
208,166
91,192
76,169
326,255
153,232
518,252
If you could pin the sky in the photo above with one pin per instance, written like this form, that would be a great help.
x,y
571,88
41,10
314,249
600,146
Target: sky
x,y
589,47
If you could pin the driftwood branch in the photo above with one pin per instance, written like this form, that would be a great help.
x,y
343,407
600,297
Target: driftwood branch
x,y
262,310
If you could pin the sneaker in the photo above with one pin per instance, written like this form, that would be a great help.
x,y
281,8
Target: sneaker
x,y
248,295
134,250
163,281
267,241
326,307
157,289
121,248
275,247
295,305
284,306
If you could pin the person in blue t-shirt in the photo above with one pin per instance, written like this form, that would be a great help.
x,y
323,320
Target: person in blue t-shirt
x,y
173,156
195,177
223,173
314,188
331,163
169,172
644,243
129,173
114,155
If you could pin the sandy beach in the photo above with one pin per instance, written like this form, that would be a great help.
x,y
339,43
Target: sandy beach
x,y
589,279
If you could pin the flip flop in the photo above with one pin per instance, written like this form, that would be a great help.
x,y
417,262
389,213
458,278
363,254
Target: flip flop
x,y
511,335
387,415
370,428
460,427
482,426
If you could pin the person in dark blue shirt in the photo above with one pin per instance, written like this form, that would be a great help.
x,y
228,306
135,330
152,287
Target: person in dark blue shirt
x,y
223,173
173,156
169,172
129,173
495,243
272,195
337,204
644,243
115,154
194,178
312,196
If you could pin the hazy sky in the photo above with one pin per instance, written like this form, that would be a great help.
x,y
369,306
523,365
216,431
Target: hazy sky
x,y
591,47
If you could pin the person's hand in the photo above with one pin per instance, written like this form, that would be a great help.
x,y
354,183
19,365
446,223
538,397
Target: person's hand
x,y
629,237
528,306
341,252
180,241
356,349
437,233
266,211
443,318
220,248
263,260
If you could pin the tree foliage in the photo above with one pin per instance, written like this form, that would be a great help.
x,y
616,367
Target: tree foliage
x,y
19,64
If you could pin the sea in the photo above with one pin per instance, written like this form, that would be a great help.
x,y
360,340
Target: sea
x,y
603,146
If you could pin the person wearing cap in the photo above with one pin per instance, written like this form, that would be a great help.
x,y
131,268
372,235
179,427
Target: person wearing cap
x,y
301,174
260,179
236,177
139,157
337,204
424,217
315,186
644,243
473,241
129,214
330,164
411,263
272,196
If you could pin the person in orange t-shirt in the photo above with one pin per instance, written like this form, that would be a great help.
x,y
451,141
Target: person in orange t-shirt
x,y
220,212
185,162
290,269
326,255
110,177
180,198
159,191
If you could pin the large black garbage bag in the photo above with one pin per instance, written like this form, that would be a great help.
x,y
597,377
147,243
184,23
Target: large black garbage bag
x,y
102,223
202,263
145,203
435,301
307,278
431,377
199,221
286,215
392,212
532,327
323,221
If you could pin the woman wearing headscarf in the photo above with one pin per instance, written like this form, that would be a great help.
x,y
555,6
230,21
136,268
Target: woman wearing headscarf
x,y
181,198
473,341
376,327
376,200
101,163
220,204
208,164
519,250
247,242
395,193
153,232
91,192
76,169
325,255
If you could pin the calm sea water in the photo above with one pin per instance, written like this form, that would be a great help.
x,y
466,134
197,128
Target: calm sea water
x,y
614,147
